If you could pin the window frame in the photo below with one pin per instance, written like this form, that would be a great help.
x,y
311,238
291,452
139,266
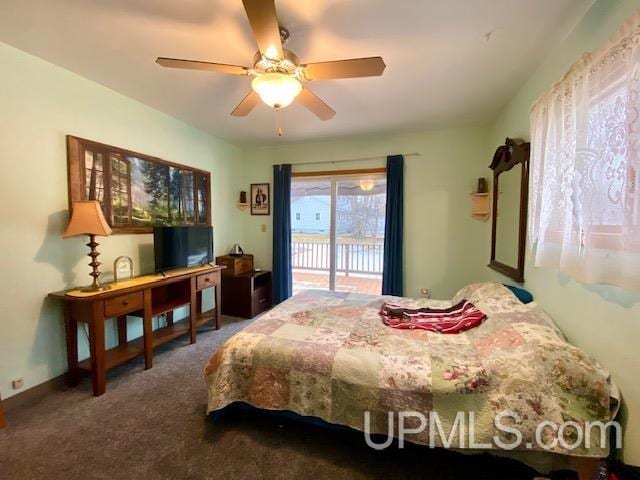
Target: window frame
x,y
76,178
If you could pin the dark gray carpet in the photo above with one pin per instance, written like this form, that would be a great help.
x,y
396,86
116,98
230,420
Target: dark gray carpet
x,y
152,424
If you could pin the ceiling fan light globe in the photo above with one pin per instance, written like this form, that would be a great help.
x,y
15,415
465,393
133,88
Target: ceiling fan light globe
x,y
276,89
367,184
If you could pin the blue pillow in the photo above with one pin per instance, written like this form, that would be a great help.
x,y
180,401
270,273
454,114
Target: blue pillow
x,y
523,295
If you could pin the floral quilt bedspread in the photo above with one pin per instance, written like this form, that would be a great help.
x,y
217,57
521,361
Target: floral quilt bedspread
x,y
329,355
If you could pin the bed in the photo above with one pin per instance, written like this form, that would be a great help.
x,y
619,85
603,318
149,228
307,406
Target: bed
x,y
328,355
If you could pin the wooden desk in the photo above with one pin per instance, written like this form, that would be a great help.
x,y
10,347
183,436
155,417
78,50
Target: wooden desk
x,y
143,297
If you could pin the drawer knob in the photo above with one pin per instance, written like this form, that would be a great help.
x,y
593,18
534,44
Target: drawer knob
x,y
125,302
207,280
262,300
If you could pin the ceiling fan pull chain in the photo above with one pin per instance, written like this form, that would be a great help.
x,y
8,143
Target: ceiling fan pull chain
x,y
278,123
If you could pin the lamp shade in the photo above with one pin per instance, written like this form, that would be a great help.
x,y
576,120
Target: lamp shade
x,y
87,219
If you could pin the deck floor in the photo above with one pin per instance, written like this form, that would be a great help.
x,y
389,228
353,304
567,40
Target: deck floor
x,y
304,280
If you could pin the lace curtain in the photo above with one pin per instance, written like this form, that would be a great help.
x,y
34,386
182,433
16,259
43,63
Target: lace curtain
x,y
584,216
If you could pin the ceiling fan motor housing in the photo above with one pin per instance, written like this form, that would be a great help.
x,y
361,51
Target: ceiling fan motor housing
x,y
289,63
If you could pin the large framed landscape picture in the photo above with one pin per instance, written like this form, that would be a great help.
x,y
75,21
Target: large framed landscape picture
x,y
137,191
260,199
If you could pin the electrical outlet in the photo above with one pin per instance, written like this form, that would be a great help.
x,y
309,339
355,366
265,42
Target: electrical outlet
x,y
426,292
17,383
263,227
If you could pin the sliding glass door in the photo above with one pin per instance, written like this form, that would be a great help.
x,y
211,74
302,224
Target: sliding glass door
x,y
360,208
311,234
337,225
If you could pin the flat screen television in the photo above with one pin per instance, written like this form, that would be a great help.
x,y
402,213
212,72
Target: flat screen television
x,y
180,247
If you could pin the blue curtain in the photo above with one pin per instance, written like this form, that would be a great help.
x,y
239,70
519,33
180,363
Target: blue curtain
x,y
392,283
282,277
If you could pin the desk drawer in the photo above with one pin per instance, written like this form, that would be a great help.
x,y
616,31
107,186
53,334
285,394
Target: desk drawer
x,y
207,280
123,304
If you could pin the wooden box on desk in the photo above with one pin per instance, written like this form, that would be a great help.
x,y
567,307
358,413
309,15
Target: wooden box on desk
x,y
235,264
247,294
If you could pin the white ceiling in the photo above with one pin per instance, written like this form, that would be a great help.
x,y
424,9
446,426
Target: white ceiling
x,y
444,67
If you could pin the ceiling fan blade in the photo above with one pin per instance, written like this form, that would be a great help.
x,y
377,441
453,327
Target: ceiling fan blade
x,y
355,67
317,106
198,65
264,23
246,105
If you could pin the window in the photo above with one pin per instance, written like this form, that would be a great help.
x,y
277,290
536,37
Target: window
x,y
317,216
298,216
585,207
137,191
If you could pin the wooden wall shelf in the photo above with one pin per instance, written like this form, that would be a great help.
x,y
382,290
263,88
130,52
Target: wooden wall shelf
x,y
481,206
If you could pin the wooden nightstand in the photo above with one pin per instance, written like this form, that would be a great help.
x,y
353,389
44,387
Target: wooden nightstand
x,y
247,294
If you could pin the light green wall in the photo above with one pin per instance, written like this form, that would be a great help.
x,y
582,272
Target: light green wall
x,y
444,247
39,104
604,321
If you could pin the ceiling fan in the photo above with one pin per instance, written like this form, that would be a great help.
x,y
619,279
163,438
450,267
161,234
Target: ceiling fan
x,y
279,75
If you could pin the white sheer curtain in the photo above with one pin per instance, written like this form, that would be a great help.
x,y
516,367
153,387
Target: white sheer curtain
x,y
584,216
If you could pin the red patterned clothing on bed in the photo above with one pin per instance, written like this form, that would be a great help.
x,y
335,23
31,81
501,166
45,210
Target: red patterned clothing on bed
x,y
458,318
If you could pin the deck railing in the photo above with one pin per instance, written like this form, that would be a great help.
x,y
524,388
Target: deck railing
x,y
365,258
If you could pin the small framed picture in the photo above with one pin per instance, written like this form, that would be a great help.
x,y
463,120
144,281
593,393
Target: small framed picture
x,y
260,199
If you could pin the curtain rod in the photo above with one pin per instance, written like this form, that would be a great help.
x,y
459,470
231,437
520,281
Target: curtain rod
x,y
362,159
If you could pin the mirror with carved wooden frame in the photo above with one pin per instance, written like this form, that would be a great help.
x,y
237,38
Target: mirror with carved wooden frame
x,y
510,167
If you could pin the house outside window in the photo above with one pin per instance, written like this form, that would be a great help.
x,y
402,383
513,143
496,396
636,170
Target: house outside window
x,y
317,216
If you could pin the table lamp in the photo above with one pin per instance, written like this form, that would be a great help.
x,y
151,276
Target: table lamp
x,y
87,219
